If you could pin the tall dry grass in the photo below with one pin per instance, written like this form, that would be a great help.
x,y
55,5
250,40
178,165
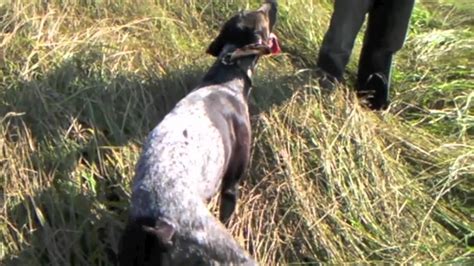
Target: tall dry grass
x,y
83,82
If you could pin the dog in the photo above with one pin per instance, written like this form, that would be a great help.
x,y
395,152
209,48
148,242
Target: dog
x,y
200,148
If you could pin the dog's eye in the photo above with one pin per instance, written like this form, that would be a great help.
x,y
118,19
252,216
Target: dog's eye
x,y
258,38
261,35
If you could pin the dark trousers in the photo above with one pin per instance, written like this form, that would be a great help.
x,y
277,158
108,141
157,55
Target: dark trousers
x,y
386,31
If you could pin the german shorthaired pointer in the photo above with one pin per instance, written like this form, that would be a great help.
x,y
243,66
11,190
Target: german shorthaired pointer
x,y
200,148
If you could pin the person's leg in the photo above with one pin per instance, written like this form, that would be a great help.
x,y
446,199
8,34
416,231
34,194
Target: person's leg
x,y
386,31
346,21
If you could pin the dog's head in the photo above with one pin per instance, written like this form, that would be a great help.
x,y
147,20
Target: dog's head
x,y
248,28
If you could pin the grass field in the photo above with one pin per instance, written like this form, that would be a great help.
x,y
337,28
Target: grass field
x,y
83,82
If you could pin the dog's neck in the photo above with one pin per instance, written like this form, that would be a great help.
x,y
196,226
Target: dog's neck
x,y
235,74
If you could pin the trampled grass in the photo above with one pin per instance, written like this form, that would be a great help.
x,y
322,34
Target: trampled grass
x,y
83,82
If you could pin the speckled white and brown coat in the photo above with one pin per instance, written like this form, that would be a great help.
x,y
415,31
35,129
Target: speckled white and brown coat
x,y
200,148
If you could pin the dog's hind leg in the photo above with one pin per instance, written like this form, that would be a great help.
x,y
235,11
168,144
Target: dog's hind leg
x,y
229,196
235,171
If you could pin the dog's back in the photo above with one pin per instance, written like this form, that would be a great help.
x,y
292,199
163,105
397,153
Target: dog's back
x,y
180,169
188,150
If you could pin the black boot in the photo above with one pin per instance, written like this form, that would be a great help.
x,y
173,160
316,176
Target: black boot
x,y
327,83
375,92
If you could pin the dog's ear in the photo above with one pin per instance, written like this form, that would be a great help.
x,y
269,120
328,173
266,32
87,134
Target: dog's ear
x,y
270,7
228,32
216,46
163,230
